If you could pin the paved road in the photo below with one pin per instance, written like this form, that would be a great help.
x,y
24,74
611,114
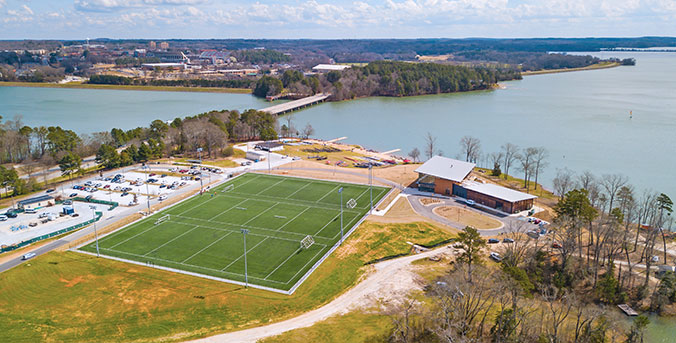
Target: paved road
x,y
366,289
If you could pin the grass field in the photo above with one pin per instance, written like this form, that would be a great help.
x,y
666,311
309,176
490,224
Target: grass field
x,y
203,234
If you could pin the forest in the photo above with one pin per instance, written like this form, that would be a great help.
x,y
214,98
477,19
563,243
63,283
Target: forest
x,y
121,80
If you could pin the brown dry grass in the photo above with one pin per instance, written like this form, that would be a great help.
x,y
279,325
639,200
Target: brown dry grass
x,y
429,201
466,217
401,174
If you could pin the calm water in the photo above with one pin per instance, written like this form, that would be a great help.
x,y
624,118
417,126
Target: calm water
x,y
582,118
89,110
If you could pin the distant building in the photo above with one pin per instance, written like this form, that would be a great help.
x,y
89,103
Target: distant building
x,y
325,68
215,56
239,72
169,57
164,46
448,176
37,202
152,45
270,146
165,66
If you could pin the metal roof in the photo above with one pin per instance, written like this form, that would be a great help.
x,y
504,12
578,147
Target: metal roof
x,y
446,168
337,67
36,199
496,191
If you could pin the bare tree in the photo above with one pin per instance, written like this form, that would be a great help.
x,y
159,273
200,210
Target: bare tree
x,y
559,308
612,183
308,131
540,158
471,148
527,165
563,182
431,146
414,154
510,152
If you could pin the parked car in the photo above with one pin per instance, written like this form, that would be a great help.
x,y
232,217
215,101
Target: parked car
x,y
495,256
655,258
152,174
507,240
88,197
68,202
106,187
11,214
27,256
74,215
30,211
162,197
33,224
493,241
51,190
533,234
125,194
470,202
556,245
3,218
43,215
72,195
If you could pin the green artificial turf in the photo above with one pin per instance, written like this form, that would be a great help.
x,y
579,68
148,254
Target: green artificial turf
x,y
203,234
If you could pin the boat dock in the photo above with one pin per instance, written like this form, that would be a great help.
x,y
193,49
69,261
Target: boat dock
x,y
628,310
296,104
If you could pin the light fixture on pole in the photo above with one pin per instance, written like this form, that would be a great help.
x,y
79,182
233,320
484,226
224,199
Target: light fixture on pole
x,y
147,187
340,190
246,276
96,235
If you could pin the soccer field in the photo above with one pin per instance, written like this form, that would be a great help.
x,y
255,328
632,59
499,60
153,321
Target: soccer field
x,y
203,234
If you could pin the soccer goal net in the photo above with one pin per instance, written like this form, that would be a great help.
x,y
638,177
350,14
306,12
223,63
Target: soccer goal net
x,y
351,203
228,188
162,219
307,242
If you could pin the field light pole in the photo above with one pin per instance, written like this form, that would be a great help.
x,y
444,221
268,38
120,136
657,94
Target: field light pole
x,y
340,190
371,187
96,235
246,276
147,187
269,167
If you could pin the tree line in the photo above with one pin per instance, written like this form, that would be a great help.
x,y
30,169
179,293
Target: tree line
x,y
122,80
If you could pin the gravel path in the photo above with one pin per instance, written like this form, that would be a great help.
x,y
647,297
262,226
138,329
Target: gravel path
x,y
389,279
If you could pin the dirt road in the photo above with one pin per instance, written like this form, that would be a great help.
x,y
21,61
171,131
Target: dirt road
x,y
389,279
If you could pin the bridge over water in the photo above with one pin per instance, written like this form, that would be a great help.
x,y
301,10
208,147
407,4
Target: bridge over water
x,y
296,104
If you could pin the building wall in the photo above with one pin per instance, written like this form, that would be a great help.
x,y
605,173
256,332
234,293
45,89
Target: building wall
x,y
443,186
38,204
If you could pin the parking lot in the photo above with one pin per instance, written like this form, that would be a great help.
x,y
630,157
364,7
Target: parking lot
x,y
131,188
48,219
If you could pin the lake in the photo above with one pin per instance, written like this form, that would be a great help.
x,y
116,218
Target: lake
x,y
90,110
582,118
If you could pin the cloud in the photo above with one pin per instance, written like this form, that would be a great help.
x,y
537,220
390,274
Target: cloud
x,y
118,5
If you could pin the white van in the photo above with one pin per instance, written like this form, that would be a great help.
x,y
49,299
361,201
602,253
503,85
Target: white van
x,y
30,211
27,256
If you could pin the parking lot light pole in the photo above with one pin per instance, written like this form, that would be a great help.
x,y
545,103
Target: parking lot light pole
x,y
147,187
340,190
96,235
371,186
246,276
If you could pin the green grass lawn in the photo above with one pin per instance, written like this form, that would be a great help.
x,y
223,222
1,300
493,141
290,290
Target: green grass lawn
x,y
203,234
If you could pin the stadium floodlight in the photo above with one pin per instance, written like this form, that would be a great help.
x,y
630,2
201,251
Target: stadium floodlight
x,y
246,276
371,187
96,235
340,190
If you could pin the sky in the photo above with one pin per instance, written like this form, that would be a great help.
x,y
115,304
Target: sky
x,y
158,19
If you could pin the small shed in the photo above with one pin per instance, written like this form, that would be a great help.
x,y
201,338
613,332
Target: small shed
x,y
68,210
255,156
37,202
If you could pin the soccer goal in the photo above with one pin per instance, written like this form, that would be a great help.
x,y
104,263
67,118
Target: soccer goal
x,y
228,188
307,242
162,219
351,203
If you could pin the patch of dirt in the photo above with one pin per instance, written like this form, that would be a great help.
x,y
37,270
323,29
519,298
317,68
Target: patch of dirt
x,y
467,217
72,282
401,174
429,201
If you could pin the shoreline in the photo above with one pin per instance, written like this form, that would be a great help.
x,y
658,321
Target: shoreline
x,y
597,66
75,85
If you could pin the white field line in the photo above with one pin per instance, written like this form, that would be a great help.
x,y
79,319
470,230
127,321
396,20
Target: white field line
x,y
233,206
186,264
248,250
360,195
273,185
323,227
288,258
236,225
292,219
169,241
315,204
138,234
298,190
305,265
254,178
347,225
207,247
198,205
327,194
258,215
